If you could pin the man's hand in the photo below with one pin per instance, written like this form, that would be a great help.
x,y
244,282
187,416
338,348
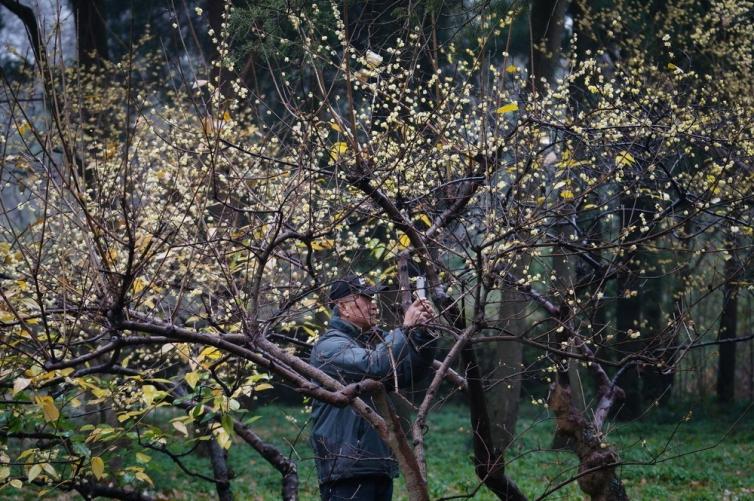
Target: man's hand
x,y
420,312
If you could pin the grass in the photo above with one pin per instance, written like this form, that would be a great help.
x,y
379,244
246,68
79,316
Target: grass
x,y
722,465
705,458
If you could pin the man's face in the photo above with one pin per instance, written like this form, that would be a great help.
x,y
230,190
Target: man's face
x,y
361,311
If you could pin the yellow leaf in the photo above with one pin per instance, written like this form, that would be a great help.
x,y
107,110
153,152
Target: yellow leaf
x,y
425,219
47,467
192,378
567,161
222,437
337,150
138,285
143,240
210,352
16,483
98,467
180,427
263,386
624,159
404,241
34,472
47,404
566,195
511,68
508,108
673,67
334,126
24,128
110,150
144,477
149,393
112,255
19,384
142,458
226,117
323,244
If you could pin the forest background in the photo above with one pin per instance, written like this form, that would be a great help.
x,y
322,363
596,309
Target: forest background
x,y
570,182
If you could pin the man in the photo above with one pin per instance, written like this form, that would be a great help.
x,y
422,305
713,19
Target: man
x,y
352,460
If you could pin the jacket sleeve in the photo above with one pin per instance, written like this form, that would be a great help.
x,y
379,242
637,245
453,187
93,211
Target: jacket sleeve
x,y
396,358
418,365
345,359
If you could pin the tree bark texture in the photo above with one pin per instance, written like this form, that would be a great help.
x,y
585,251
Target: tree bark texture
x,y
91,31
219,458
489,461
547,21
504,392
597,461
726,366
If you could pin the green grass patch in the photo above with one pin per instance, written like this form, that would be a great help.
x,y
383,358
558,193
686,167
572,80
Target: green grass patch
x,y
698,459
706,458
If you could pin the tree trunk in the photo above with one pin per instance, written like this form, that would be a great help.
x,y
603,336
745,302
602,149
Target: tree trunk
x,y
600,459
220,76
628,315
219,457
726,367
656,384
489,461
505,373
91,31
546,24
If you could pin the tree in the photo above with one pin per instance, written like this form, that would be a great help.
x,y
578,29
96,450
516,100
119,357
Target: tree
x,y
195,275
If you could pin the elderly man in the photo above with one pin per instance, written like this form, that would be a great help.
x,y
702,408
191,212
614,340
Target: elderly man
x,y
352,460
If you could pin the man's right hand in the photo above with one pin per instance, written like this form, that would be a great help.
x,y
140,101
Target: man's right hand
x,y
420,312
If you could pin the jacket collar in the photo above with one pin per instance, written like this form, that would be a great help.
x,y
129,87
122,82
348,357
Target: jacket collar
x,y
337,323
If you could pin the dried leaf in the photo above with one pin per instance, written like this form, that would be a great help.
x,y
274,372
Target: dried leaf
x,y
19,384
34,472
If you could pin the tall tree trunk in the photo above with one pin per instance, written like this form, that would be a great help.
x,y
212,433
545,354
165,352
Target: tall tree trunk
x,y
547,19
628,314
219,75
91,31
656,382
489,461
505,394
726,367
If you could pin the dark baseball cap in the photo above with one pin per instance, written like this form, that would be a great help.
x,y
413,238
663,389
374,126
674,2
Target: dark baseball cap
x,y
352,284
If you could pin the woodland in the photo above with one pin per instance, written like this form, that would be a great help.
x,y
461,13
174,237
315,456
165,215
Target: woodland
x,y
569,182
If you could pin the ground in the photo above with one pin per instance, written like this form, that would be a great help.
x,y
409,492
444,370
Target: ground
x,y
704,455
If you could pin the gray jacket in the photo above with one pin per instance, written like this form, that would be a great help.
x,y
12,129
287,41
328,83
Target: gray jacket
x,y
345,445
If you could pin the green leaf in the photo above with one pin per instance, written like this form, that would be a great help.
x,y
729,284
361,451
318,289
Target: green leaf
x,y
81,449
227,422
